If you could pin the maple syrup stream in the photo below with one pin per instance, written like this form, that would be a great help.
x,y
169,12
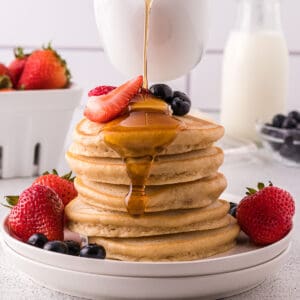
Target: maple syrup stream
x,y
138,136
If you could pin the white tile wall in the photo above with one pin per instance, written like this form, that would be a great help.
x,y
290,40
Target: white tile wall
x,y
70,25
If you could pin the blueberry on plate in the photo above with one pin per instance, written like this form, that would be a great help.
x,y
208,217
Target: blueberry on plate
x,y
179,106
162,91
278,120
93,251
73,248
37,240
289,123
56,246
233,207
294,115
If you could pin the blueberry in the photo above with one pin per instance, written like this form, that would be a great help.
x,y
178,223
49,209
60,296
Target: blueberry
x,y
232,210
37,240
56,246
289,123
294,115
278,120
182,96
162,91
180,107
93,251
298,126
73,248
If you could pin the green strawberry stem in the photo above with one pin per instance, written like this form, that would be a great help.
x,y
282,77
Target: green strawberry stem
x,y
19,52
12,200
67,176
260,186
5,82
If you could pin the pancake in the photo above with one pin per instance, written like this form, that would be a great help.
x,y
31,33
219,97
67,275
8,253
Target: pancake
x,y
198,134
174,247
167,169
194,194
90,221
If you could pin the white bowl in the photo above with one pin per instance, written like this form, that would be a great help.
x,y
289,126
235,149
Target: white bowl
x,y
94,286
33,126
243,256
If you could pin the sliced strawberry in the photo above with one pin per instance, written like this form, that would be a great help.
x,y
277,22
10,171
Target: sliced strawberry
x,y
101,90
104,108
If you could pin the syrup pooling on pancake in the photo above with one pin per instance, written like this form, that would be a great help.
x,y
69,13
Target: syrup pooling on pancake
x,y
145,131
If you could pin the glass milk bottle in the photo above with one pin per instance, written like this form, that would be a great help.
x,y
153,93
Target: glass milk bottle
x,y
255,68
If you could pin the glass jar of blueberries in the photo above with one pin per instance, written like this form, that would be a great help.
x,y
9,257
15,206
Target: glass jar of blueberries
x,y
282,137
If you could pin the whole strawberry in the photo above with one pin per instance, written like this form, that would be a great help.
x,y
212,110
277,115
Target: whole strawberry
x,y
16,67
5,77
44,69
63,186
38,210
266,215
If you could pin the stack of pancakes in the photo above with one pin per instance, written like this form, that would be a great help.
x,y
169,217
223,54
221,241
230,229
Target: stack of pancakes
x,y
184,218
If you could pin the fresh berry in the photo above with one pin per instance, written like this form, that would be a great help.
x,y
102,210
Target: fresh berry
x,y
184,97
180,107
266,215
56,246
294,115
38,209
298,126
16,67
162,91
104,108
5,77
37,240
93,251
101,90
63,186
289,123
44,69
73,248
232,210
278,120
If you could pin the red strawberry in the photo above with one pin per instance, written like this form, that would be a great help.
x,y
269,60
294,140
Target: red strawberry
x,y
38,210
5,79
63,186
44,69
107,107
16,67
266,215
101,90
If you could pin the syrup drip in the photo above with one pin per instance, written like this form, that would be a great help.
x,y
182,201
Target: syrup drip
x,y
138,137
141,134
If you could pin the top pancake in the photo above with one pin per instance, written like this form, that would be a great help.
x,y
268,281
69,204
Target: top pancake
x,y
88,139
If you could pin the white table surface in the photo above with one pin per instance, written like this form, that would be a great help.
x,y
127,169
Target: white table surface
x,y
282,285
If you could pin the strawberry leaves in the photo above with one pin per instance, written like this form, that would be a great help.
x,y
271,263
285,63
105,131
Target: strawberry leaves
x,y
260,186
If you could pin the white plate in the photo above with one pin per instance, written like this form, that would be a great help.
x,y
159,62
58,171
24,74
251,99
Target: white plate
x,y
96,286
245,255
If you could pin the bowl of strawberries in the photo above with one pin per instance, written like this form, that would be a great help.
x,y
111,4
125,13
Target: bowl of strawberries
x,y
37,101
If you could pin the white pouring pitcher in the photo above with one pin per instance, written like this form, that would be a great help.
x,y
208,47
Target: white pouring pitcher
x,y
177,35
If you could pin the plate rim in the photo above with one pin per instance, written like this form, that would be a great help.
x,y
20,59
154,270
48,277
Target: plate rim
x,y
147,269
